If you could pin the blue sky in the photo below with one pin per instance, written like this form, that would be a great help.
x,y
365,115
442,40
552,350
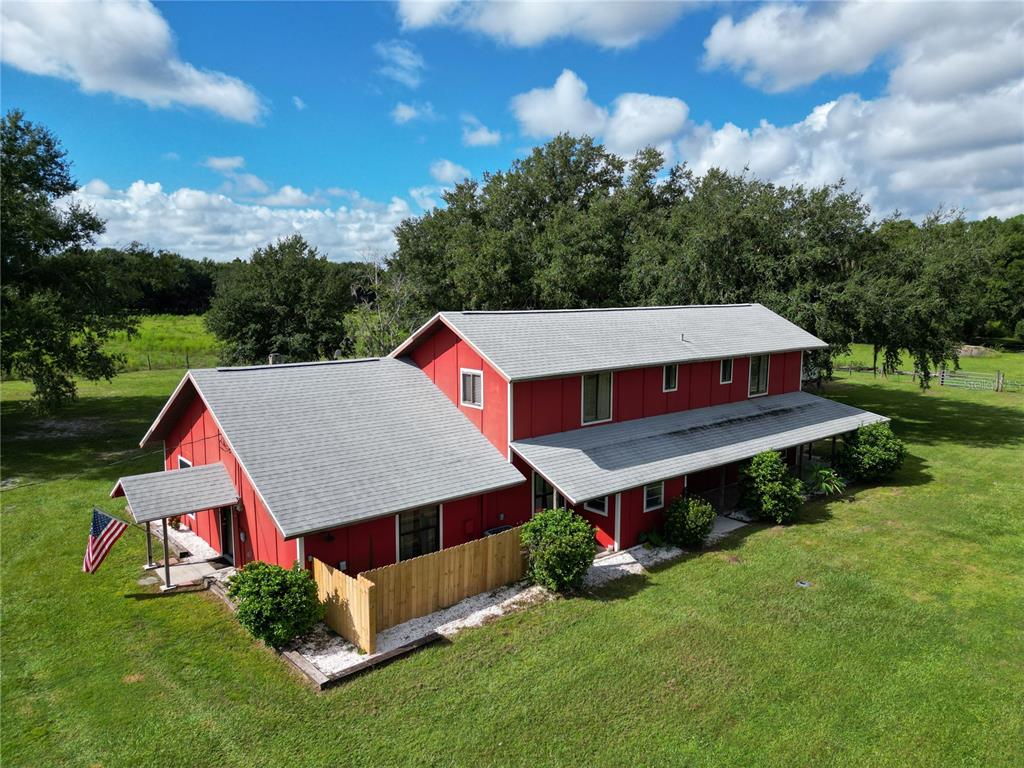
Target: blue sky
x,y
209,128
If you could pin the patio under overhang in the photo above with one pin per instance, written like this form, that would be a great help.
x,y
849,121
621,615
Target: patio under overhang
x,y
593,462
173,493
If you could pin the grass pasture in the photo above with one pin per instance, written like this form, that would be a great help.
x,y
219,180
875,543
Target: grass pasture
x,y
167,342
907,650
1010,363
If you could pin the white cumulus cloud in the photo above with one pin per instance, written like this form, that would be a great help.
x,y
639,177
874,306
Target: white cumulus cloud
x,y
123,48
298,103
476,134
402,63
208,224
524,23
289,196
405,113
447,172
634,120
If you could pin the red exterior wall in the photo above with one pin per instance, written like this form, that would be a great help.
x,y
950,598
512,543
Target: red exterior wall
x,y
197,438
544,406
440,354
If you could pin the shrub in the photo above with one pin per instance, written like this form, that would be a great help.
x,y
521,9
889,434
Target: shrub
x,y
825,480
769,490
652,538
275,604
561,548
688,521
871,453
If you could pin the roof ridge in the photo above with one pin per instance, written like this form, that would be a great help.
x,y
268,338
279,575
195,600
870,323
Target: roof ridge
x,y
277,366
590,309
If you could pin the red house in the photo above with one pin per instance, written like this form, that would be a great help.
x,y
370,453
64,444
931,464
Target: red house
x,y
477,420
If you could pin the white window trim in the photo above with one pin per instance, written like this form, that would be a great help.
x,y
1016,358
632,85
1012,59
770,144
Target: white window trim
x,y
665,368
462,399
611,397
767,377
732,371
657,506
603,513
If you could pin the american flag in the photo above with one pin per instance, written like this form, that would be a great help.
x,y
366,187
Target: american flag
x,y
105,531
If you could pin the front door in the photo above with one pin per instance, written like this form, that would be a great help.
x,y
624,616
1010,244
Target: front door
x,y
227,538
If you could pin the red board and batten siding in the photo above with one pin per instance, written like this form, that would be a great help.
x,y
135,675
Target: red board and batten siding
x,y
441,354
196,437
545,406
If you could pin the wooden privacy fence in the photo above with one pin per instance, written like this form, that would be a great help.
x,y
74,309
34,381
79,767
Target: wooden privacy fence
x,y
351,607
383,597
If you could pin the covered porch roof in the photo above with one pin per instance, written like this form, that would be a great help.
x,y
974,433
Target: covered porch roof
x,y
597,461
159,495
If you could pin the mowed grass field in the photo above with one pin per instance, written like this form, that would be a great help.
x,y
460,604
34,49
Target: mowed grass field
x,y
907,650
1010,363
167,342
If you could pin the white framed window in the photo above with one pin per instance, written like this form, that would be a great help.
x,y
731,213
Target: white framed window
x,y
654,496
758,376
183,463
670,378
471,387
419,532
543,494
725,371
597,506
597,397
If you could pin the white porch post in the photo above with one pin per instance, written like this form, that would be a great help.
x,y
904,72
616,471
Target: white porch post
x,y
150,565
167,562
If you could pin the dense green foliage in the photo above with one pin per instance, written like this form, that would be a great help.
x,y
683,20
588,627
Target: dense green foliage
x,y
769,490
288,299
825,480
572,225
58,306
275,604
688,521
873,452
560,544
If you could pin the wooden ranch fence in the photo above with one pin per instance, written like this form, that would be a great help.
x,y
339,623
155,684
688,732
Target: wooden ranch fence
x,y
351,605
358,608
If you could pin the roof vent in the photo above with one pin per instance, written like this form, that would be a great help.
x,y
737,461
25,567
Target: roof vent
x,y
274,358
682,337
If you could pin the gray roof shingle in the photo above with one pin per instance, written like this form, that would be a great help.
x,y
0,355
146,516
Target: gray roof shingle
x,y
157,495
536,344
327,444
596,461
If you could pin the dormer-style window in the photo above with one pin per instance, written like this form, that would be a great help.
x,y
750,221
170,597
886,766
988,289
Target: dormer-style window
x,y
670,378
471,388
597,397
758,376
725,371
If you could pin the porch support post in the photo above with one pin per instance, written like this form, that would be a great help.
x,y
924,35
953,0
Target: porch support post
x,y
721,489
833,450
150,565
167,562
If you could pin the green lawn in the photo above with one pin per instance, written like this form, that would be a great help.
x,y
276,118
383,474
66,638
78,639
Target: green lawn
x,y
1010,363
907,650
167,341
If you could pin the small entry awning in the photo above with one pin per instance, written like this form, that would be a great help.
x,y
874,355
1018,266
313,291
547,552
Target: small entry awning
x,y
159,495
593,462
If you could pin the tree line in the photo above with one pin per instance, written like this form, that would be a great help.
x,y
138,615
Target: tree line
x,y
571,225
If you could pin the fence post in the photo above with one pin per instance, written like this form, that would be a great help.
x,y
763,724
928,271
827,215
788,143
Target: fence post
x,y
149,362
999,381
942,376
187,366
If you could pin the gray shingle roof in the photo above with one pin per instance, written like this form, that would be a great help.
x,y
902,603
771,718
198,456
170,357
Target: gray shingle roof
x,y
596,461
526,345
176,492
327,444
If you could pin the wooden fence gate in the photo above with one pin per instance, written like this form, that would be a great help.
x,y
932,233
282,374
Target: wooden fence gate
x,y
383,597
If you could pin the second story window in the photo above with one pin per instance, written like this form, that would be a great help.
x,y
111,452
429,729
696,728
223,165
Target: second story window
x,y
670,378
471,388
758,376
597,397
725,372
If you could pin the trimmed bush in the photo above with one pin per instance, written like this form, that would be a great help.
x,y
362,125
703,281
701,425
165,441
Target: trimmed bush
x,y
561,548
769,490
688,521
275,604
871,453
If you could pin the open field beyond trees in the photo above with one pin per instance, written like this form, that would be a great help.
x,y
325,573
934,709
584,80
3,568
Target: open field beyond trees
x,y
1010,363
907,650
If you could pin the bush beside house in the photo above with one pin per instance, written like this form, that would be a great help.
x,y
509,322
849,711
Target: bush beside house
x,y
688,521
871,453
560,544
769,490
275,604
